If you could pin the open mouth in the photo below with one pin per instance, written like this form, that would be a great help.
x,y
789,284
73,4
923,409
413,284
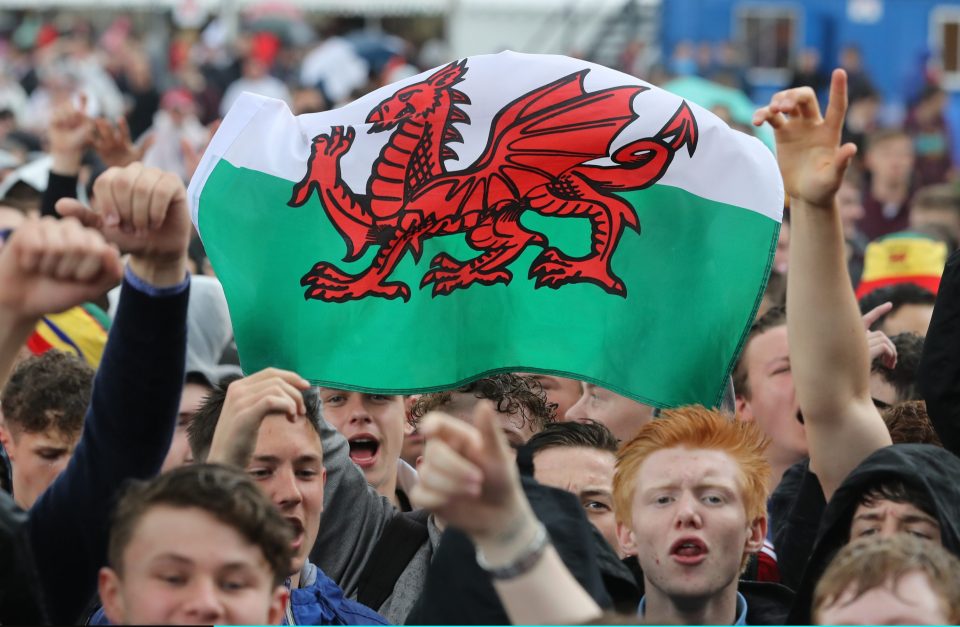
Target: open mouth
x,y
297,525
689,551
364,450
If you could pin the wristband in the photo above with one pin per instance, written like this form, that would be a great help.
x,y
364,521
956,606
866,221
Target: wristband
x,y
522,563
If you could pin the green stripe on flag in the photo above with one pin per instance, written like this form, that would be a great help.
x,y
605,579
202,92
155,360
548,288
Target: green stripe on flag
x,y
694,279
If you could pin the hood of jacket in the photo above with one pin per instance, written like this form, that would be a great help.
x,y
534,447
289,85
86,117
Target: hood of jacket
x,y
923,467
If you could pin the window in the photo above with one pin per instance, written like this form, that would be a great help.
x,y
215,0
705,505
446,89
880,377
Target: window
x,y
768,35
945,42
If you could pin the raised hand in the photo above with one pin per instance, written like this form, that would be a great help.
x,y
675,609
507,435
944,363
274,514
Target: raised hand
x,y
51,265
247,403
812,161
469,479
69,134
144,212
878,344
113,144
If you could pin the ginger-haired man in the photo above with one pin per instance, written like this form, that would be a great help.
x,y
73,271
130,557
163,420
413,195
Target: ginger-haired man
x,y
690,495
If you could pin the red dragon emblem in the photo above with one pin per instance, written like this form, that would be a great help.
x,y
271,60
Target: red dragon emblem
x,y
536,159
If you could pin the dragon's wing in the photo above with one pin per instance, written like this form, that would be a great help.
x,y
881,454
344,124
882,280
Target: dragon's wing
x,y
546,132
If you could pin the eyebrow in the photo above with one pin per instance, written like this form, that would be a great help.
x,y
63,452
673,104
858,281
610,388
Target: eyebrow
x,y
273,459
908,519
595,492
701,485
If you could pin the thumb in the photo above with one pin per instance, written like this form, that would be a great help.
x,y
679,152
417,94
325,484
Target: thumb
x,y
494,447
73,208
844,156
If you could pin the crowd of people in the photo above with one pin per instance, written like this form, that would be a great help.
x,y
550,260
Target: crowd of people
x,y
146,479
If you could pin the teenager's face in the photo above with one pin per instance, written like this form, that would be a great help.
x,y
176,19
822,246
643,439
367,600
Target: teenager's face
x,y
690,529
588,474
184,567
287,465
622,415
36,459
910,600
772,402
884,518
190,401
374,425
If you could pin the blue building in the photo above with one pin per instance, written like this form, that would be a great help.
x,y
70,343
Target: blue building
x,y
898,39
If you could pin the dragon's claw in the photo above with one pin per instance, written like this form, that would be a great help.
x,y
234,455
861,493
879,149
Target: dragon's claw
x,y
553,269
327,283
446,281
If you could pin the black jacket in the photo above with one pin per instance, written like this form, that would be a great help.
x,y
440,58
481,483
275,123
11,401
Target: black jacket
x,y
767,603
938,376
19,599
923,467
795,510
458,592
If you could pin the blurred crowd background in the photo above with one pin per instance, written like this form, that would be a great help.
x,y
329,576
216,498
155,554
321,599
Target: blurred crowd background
x,y
161,74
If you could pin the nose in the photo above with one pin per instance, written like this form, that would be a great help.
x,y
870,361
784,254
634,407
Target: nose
x,y
688,513
357,410
577,411
204,605
889,527
285,490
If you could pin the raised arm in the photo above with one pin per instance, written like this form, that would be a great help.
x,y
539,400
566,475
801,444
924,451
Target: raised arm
x,y
469,479
828,350
136,393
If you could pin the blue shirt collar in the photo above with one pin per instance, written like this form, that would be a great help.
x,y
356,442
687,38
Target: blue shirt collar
x,y
741,609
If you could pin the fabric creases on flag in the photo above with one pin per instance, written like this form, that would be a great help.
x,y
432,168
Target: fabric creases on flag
x,y
505,212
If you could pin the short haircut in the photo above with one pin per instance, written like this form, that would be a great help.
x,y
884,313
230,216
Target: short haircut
x,y
869,563
903,376
899,294
898,491
696,427
885,135
48,392
226,493
204,423
590,434
513,394
909,423
774,317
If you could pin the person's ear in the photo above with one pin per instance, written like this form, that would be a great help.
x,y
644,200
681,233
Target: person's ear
x,y
419,461
628,541
6,439
108,586
278,603
758,533
744,410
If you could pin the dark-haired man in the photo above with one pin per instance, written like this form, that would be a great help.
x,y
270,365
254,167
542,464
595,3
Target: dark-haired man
x,y
911,311
42,411
197,545
265,424
580,458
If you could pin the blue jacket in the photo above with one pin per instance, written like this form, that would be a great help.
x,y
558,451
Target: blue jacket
x,y
319,601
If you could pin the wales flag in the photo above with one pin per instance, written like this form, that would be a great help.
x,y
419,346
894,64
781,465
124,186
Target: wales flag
x,y
507,212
